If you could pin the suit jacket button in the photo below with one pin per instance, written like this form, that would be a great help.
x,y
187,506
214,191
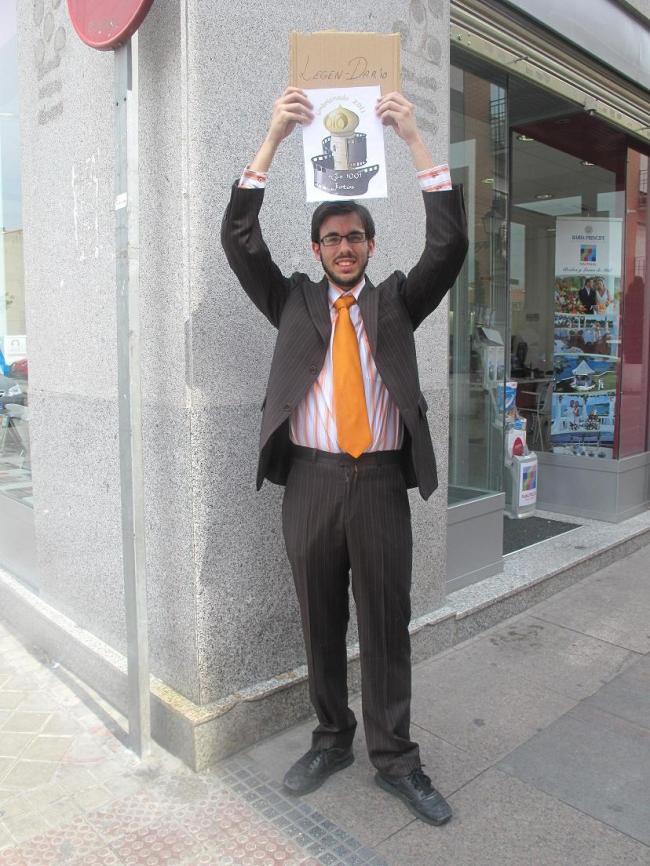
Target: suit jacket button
x,y
287,407
313,370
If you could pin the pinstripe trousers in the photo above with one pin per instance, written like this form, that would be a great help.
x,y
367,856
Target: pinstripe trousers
x,y
341,515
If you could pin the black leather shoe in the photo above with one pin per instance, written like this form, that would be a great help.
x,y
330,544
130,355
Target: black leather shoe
x,y
310,771
419,795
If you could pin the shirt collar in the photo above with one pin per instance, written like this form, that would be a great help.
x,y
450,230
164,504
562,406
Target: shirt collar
x,y
333,293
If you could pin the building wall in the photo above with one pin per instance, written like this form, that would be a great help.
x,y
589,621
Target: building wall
x,y
248,623
66,107
222,608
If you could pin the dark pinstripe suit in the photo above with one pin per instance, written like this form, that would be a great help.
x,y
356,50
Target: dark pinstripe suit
x,y
339,514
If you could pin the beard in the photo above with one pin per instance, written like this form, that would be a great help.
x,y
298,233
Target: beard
x,y
352,279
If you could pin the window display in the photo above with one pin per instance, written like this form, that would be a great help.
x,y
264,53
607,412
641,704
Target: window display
x,y
586,335
15,466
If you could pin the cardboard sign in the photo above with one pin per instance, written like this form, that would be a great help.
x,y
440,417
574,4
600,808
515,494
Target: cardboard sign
x,y
331,58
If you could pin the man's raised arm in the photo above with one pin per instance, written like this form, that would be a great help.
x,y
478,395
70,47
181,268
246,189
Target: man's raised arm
x,y
446,228
241,236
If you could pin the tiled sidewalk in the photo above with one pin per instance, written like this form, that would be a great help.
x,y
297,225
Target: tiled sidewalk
x,y
537,730
71,793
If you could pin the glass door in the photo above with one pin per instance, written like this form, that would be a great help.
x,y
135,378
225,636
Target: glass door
x,y
478,300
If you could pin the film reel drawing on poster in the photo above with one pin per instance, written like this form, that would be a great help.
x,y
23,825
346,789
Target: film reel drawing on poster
x,y
344,146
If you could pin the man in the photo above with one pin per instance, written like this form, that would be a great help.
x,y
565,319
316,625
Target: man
x,y
587,295
344,427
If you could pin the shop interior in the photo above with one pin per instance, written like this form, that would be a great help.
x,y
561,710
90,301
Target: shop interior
x,y
533,335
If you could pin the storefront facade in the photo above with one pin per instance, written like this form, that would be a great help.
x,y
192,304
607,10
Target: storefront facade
x,y
539,142
553,302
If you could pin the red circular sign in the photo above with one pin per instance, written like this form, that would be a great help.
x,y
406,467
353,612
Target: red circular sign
x,y
105,24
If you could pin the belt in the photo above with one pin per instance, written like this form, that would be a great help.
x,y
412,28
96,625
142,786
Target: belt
x,y
371,458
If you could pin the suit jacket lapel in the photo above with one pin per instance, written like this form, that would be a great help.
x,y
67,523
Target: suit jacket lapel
x,y
317,304
316,300
368,305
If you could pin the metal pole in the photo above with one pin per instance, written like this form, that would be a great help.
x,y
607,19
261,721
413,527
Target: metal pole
x,y
129,392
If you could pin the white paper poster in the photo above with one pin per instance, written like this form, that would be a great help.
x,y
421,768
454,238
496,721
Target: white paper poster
x,y
588,245
344,146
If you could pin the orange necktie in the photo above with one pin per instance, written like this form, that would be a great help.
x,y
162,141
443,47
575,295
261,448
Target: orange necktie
x,y
352,424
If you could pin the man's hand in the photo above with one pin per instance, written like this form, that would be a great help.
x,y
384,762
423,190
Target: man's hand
x,y
289,110
395,110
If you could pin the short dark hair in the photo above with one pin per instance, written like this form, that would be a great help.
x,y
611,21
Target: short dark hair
x,y
341,208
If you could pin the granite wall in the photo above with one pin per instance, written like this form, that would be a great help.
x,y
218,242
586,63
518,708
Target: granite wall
x,y
222,610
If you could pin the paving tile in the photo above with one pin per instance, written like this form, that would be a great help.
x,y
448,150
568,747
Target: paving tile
x,y
72,779
12,744
100,857
92,798
126,816
11,856
628,695
555,658
47,748
594,761
183,789
5,837
39,702
612,605
8,643
28,774
74,841
501,821
123,786
61,812
10,700
87,751
451,700
276,754
44,796
15,806
21,684
61,724
25,721
160,843
104,772
23,827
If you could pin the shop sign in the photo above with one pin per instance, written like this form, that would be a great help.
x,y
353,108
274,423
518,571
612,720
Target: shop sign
x,y
105,24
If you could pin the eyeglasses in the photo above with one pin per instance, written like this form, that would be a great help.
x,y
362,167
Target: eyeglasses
x,y
334,240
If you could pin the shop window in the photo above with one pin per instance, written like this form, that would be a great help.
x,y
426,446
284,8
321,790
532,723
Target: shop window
x,y
568,205
478,306
15,473
17,532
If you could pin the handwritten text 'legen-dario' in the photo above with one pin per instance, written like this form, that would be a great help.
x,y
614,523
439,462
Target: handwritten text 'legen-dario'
x,y
356,69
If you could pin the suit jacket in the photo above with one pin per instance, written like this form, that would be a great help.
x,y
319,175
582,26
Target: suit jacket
x,y
391,312
588,298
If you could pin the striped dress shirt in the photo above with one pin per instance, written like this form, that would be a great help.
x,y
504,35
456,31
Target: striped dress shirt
x,y
312,423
